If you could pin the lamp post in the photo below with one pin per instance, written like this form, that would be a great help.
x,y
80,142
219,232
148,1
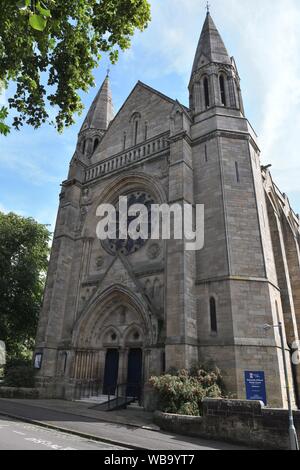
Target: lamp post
x,y
294,443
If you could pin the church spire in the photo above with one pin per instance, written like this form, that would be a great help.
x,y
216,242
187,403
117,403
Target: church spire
x,y
101,111
211,47
100,114
214,81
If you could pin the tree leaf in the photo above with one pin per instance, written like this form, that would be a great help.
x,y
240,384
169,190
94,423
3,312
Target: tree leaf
x,y
37,22
43,11
4,128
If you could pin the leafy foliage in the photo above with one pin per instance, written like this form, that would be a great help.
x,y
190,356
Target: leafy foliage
x,y
182,392
23,262
20,376
59,43
37,11
4,128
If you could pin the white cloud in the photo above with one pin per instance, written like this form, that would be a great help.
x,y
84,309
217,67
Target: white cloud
x,y
2,209
28,169
43,216
7,210
34,156
271,43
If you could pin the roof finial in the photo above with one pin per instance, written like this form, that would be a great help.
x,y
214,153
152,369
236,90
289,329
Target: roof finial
x,y
208,7
108,72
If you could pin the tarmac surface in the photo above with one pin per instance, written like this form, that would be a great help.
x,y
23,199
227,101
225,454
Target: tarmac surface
x,y
89,425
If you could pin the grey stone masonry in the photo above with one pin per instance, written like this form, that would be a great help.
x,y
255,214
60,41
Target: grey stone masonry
x,y
236,421
120,314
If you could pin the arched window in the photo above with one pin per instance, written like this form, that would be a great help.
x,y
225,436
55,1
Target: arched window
x,y
213,315
196,97
96,143
136,131
237,172
146,130
84,146
205,153
222,90
135,127
206,92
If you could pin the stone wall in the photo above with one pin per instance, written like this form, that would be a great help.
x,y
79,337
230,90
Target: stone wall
x,y
22,393
243,422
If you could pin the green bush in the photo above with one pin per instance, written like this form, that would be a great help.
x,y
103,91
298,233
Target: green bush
x,y
182,392
13,361
19,376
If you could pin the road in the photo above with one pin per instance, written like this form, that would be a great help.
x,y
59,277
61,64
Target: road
x,y
120,435
16,435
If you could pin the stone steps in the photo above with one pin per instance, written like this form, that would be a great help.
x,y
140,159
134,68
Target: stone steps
x,y
98,400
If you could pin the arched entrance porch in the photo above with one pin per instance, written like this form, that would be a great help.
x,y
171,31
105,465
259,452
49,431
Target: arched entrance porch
x,y
112,341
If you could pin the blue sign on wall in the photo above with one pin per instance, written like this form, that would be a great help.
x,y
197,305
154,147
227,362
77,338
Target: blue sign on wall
x,y
256,386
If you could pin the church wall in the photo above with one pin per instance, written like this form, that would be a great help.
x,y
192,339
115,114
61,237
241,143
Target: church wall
x,y
152,109
212,259
241,344
237,245
293,258
264,222
220,292
73,291
241,206
253,306
223,357
284,281
181,320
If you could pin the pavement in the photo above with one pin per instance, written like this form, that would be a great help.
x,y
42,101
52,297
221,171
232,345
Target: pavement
x,y
130,429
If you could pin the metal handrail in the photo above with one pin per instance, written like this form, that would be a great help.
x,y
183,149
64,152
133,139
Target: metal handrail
x,y
119,394
126,390
86,388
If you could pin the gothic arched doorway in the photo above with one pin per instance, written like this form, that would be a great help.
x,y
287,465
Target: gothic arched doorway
x,y
110,342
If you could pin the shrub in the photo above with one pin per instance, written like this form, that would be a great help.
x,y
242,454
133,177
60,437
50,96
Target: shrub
x,y
183,392
13,361
19,376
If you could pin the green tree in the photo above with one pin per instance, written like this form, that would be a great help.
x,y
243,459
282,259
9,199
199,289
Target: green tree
x,y
24,250
55,45
4,128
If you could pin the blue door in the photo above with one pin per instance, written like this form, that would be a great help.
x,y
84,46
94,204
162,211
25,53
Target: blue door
x,y
111,372
135,372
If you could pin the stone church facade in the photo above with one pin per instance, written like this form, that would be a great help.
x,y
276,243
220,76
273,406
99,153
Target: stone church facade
x,y
117,315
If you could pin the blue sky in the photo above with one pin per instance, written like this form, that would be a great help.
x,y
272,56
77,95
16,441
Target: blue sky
x,y
264,38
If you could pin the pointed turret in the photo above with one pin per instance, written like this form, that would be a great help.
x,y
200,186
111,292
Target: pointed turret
x,y
211,46
214,79
101,111
96,123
